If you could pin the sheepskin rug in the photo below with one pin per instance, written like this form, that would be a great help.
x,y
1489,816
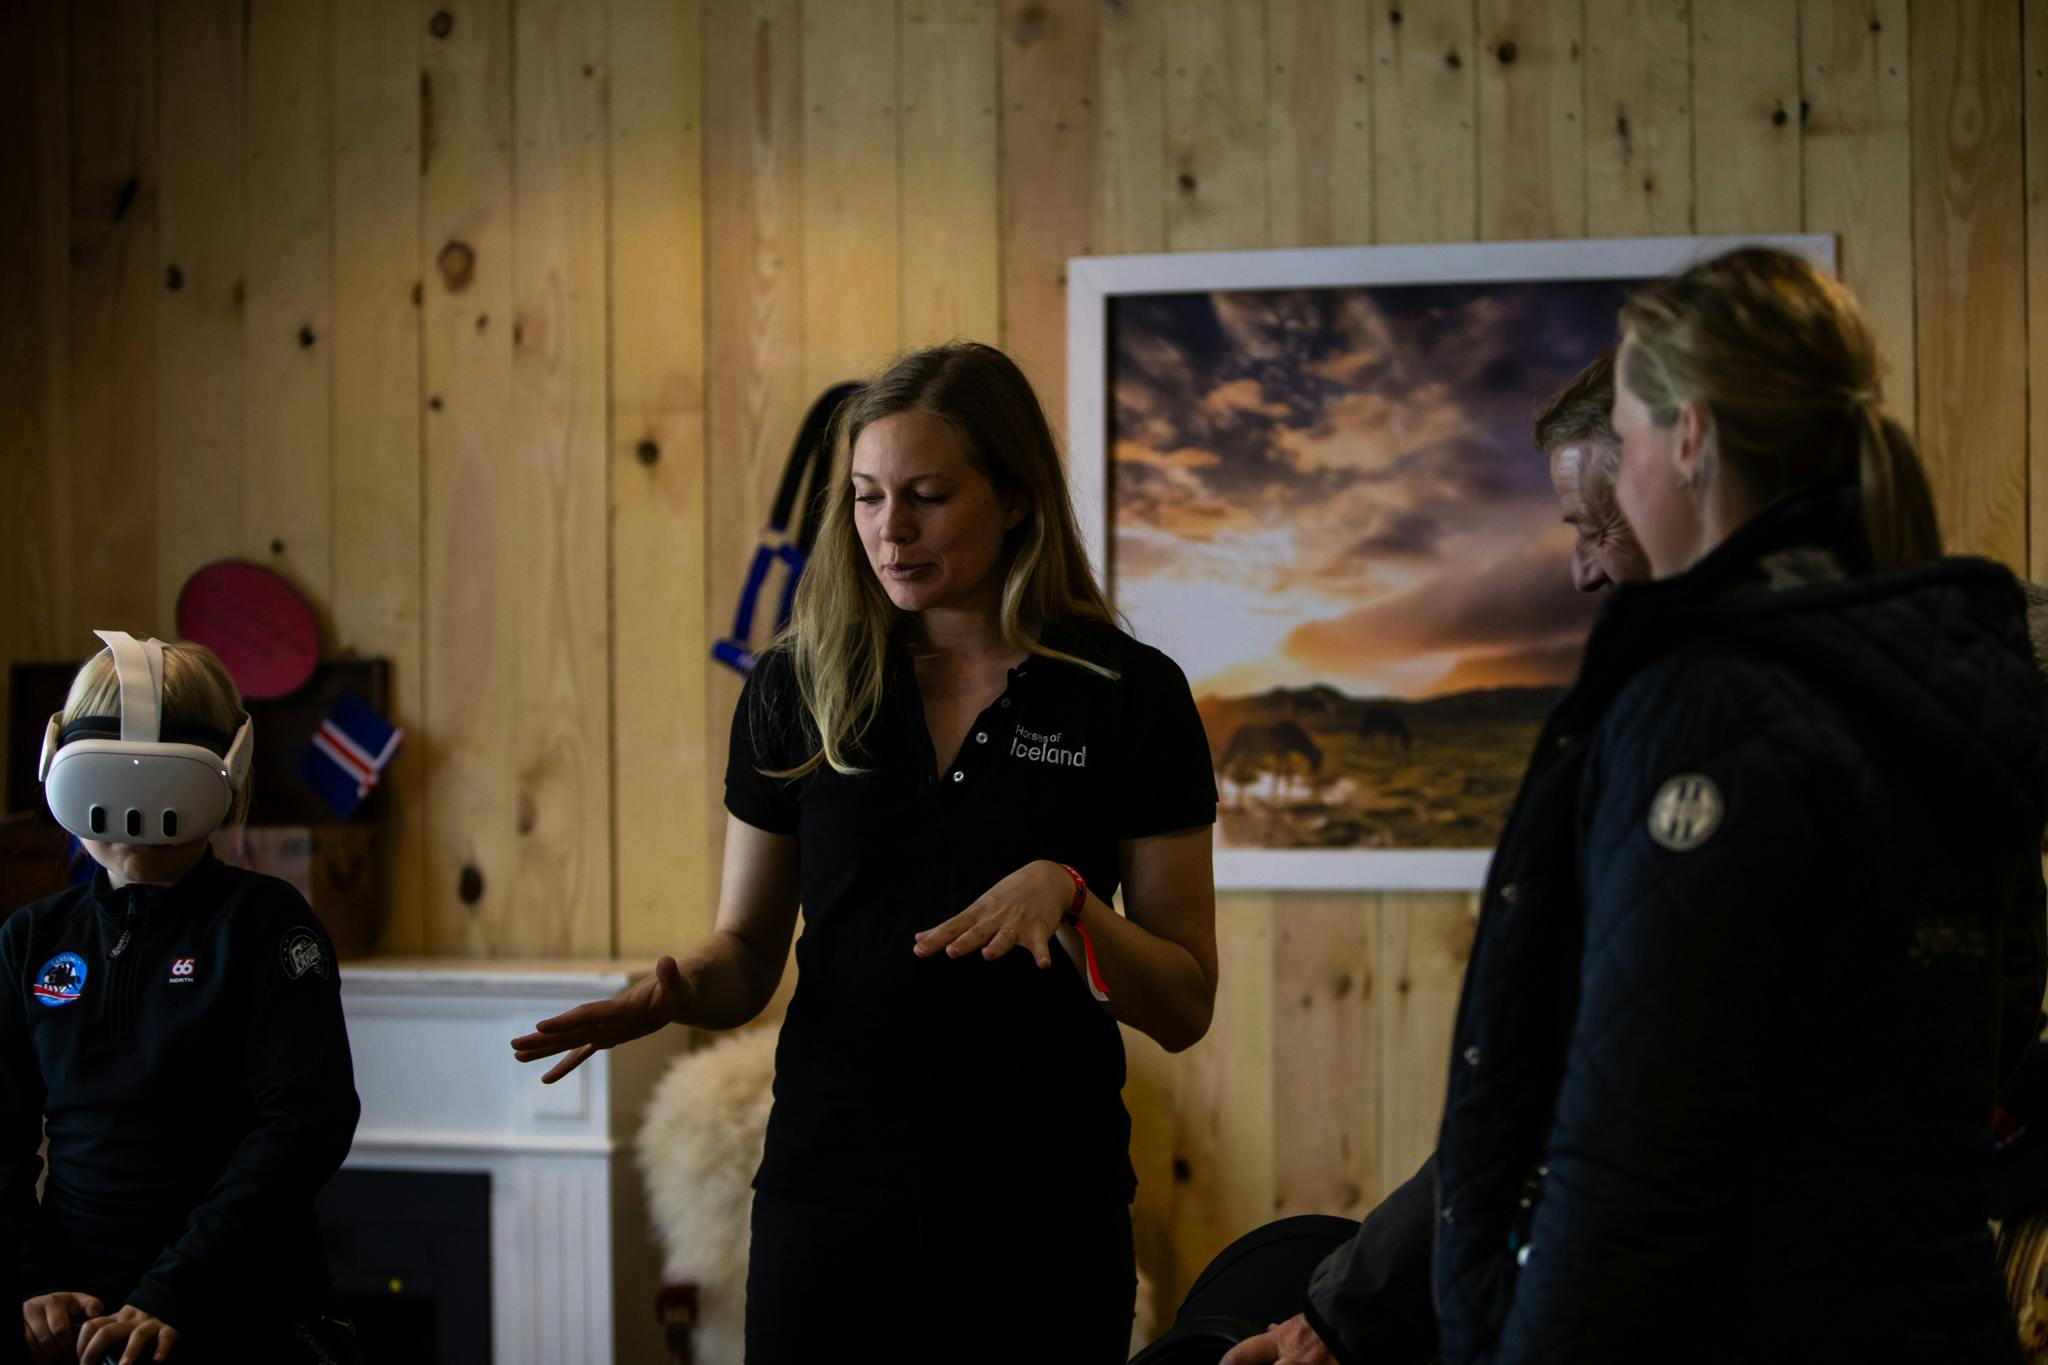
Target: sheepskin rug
x,y
698,1147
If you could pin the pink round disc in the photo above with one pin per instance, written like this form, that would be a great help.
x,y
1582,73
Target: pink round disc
x,y
257,623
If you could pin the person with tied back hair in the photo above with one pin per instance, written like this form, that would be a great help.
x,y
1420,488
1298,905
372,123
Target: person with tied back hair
x,y
1765,929
952,760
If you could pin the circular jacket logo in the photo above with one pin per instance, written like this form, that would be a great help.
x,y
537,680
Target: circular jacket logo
x,y
1685,812
60,980
301,953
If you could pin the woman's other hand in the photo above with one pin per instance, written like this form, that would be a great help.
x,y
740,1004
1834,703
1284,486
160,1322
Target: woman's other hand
x,y
143,1336
1292,1342
642,1008
1023,910
49,1324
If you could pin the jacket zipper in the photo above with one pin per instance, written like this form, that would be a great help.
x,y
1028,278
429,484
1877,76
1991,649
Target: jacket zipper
x,y
119,1000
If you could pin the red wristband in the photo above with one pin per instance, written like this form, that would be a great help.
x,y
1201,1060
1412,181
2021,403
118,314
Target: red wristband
x,y
1072,919
1080,903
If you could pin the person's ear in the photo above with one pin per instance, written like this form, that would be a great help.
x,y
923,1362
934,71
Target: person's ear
x,y
1693,444
1015,508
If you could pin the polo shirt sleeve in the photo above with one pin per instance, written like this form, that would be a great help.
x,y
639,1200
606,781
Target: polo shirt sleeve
x,y
1167,780
767,734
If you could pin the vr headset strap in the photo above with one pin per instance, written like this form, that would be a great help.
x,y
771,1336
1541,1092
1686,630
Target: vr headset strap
x,y
139,664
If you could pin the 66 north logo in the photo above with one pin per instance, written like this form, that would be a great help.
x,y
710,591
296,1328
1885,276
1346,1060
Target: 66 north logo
x,y
183,969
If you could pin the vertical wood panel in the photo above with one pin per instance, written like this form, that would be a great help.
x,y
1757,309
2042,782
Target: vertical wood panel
x,y
560,413
1130,143
36,559
2034,20
199,394
287,496
662,615
1968,234
950,211
753,235
1048,174
1215,108
1425,122
1326,1056
1859,166
112,282
377,409
1532,125
1746,102
472,513
1424,943
1638,117
1318,123
852,319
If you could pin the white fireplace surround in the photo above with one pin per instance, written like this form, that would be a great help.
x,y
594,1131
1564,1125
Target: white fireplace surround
x,y
573,1271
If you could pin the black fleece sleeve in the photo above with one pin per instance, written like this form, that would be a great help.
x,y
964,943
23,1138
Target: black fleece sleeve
x,y
21,1116
1369,1300
302,1083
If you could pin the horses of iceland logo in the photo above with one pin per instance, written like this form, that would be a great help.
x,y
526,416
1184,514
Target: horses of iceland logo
x,y
1685,812
301,953
60,980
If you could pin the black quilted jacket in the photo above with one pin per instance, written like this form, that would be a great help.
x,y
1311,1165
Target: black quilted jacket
x,y
1766,921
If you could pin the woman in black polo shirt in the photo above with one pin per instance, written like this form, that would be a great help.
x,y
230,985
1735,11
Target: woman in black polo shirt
x,y
952,761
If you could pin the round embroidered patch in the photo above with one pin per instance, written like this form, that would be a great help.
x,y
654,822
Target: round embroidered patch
x,y
60,980
1685,812
301,952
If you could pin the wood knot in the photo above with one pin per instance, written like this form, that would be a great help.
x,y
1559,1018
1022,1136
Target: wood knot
x,y
306,338
1507,53
528,815
1030,25
124,197
1453,60
174,278
1182,1172
277,547
434,402
1394,17
483,320
419,294
1186,183
442,24
647,452
1342,986
470,886
457,264
1779,118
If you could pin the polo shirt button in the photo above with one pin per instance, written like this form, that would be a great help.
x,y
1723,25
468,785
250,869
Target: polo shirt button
x,y
959,776
1006,703
981,738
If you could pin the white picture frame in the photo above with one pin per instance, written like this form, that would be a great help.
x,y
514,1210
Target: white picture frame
x,y
1095,283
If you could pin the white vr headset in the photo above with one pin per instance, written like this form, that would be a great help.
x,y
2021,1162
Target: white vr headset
x,y
131,779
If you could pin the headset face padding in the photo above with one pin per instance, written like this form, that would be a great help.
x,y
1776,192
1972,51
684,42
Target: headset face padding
x,y
121,781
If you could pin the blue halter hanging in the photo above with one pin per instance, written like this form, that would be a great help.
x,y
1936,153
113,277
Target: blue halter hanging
x,y
809,466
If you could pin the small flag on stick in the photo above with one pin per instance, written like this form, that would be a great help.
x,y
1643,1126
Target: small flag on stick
x,y
349,752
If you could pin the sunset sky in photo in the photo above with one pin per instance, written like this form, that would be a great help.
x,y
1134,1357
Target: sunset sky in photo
x,y
1339,485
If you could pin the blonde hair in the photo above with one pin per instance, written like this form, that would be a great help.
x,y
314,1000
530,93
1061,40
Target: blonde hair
x,y
843,621
197,692
1780,356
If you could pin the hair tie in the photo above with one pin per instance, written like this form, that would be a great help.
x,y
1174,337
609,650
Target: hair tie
x,y
1858,400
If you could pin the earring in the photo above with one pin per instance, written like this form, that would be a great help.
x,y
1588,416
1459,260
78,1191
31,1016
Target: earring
x,y
1685,482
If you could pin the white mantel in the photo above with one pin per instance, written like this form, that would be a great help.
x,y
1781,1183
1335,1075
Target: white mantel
x,y
573,1272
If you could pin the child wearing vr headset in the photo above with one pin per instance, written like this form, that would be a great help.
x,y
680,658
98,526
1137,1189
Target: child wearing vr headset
x,y
175,1028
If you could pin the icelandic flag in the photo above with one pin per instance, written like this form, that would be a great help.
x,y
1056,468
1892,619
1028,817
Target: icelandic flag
x,y
348,753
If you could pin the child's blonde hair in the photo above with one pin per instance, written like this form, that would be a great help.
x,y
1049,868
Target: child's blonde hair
x,y
197,692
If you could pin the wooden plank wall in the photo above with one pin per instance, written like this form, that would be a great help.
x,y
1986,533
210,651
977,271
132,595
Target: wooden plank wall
x,y
488,322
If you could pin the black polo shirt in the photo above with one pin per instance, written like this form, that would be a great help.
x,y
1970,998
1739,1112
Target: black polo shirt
x,y
960,1081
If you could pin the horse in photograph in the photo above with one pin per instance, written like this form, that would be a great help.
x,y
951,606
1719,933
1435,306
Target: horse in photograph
x,y
1279,750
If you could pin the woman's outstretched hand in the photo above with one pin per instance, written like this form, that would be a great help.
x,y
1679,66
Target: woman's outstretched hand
x,y
642,1008
1022,910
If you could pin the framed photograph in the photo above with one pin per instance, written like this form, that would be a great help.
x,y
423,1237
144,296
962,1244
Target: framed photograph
x,y
1309,476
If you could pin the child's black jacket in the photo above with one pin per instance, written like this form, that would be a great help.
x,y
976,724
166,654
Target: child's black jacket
x,y
186,1045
